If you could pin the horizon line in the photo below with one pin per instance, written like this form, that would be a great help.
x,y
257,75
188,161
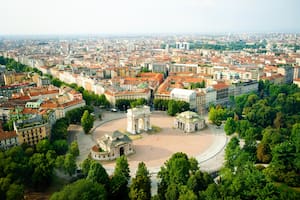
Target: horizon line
x,y
150,34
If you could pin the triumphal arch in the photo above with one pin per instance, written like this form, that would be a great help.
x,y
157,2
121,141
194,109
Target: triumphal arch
x,y
138,119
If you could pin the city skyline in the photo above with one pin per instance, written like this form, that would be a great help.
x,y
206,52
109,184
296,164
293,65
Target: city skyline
x,y
141,17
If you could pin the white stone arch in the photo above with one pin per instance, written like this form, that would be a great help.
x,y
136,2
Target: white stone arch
x,y
138,119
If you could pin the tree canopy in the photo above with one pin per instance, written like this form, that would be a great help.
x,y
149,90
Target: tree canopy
x,y
87,121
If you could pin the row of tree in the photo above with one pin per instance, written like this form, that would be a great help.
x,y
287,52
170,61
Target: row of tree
x,y
124,104
172,106
179,178
11,64
97,184
197,85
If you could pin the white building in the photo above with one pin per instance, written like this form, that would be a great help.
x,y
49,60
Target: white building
x,y
183,45
210,96
188,96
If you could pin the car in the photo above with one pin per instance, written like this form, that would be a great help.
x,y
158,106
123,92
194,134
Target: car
x,y
113,110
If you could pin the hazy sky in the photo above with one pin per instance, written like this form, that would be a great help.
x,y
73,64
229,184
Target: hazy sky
x,y
148,16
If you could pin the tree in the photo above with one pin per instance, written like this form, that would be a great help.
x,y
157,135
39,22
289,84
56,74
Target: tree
x,y
85,166
295,136
123,104
87,121
260,86
70,164
119,181
175,172
122,167
216,115
60,146
261,114
101,101
282,167
230,126
186,194
183,106
242,127
74,116
279,120
59,162
43,146
231,152
193,165
172,108
118,187
251,100
56,82
272,137
9,125
263,153
42,170
74,150
199,181
81,189
211,193
98,174
140,187
138,102
160,104
4,186
59,129
172,192
15,192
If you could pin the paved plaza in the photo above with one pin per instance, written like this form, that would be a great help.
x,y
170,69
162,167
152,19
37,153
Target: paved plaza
x,y
154,149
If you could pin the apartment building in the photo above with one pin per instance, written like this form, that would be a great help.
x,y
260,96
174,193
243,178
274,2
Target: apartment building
x,y
112,95
33,130
222,93
287,72
8,139
192,68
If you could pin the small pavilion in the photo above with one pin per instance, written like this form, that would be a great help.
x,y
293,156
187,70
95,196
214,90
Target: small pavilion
x,y
189,121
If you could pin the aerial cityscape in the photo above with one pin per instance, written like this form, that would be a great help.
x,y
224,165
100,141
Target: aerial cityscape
x,y
143,100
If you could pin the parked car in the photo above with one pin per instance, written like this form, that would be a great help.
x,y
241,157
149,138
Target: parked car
x,y
113,110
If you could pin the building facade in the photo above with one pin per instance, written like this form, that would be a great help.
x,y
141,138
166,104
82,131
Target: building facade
x,y
8,139
189,122
188,96
31,131
112,146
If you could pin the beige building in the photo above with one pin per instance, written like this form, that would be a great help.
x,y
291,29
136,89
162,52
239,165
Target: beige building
x,y
31,131
15,78
112,146
113,96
